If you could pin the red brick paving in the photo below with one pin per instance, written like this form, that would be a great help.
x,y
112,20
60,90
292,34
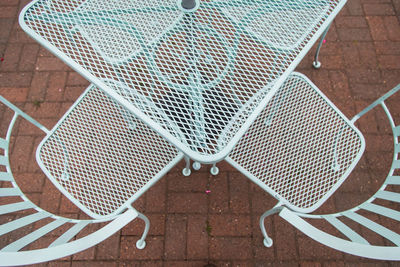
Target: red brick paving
x,y
360,61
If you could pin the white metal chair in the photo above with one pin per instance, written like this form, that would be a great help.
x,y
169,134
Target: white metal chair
x,y
384,205
300,149
100,157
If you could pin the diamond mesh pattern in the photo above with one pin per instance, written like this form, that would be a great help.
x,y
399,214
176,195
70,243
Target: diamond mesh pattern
x,y
199,72
102,155
278,25
299,146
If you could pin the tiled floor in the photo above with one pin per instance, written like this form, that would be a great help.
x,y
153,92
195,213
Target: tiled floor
x,y
360,61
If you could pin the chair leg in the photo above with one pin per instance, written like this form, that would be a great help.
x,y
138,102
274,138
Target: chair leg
x,y
267,240
186,171
196,165
316,63
141,243
214,169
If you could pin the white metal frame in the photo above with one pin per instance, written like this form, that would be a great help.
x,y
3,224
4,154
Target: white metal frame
x,y
208,159
249,169
69,242
127,204
62,246
355,243
281,199
379,214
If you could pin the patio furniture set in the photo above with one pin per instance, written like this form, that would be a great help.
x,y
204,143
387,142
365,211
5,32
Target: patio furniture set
x,y
199,80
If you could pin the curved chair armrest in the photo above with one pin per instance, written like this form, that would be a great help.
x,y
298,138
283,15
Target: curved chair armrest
x,y
65,249
23,114
375,103
358,249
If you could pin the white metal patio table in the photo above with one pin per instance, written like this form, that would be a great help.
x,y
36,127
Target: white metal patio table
x,y
196,71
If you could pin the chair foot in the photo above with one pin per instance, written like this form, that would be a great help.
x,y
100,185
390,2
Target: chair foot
x,y
268,242
140,244
186,171
316,64
196,165
214,170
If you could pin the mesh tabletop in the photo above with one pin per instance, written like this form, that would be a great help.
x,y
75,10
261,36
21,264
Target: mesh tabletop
x,y
103,159
195,75
300,148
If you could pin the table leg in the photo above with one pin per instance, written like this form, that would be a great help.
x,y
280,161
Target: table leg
x,y
316,63
214,169
186,171
196,165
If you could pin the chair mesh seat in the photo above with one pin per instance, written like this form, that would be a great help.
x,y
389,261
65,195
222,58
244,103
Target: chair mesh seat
x,y
101,156
192,73
301,147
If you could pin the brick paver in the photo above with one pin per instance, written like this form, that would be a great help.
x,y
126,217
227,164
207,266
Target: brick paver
x,y
192,227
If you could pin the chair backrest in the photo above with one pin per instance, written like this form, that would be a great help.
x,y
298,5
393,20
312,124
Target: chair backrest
x,y
370,229
29,234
